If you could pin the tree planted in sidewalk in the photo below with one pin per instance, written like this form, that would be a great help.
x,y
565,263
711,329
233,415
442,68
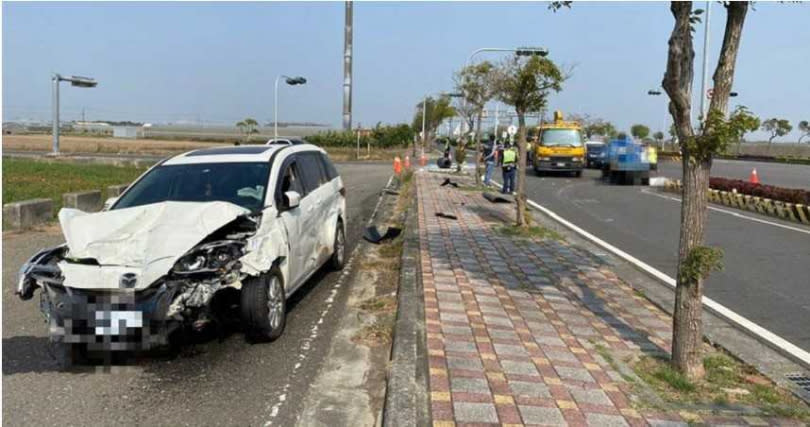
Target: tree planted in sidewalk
x,y
436,111
475,83
698,148
525,83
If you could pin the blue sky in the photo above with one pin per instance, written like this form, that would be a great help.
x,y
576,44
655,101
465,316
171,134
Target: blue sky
x,y
216,62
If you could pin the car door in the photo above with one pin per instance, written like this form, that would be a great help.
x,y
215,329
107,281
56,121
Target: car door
x,y
317,192
294,220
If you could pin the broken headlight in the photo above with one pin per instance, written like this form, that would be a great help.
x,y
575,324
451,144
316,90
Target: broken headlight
x,y
210,257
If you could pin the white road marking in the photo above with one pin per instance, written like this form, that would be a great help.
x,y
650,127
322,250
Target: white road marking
x,y
732,213
306,343
758,331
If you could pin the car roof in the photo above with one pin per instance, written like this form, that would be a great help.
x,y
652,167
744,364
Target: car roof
x,y
237,153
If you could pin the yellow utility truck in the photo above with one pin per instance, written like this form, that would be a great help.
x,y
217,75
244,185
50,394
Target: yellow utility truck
x,y
559,147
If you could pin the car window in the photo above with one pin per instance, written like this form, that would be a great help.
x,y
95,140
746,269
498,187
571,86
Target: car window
x,y
242,184
331,172
291,179
312,171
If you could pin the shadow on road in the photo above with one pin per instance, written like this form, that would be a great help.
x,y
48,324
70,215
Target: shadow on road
x,y
27,354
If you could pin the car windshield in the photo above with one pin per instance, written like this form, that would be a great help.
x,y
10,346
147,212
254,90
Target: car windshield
x,y
561,137
242,184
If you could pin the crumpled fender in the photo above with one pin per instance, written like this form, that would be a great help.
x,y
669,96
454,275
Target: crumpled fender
x,y
266,247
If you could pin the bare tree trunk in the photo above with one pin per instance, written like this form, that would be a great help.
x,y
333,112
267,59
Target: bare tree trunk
x,y
478,149
687,324
521,171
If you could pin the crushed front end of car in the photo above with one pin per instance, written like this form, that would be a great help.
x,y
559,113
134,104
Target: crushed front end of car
x,y
128,279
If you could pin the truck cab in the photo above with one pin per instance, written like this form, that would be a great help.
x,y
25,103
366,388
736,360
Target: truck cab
x,y
559,147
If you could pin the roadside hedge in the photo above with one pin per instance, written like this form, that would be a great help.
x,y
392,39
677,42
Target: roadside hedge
x,y
381,136
789,195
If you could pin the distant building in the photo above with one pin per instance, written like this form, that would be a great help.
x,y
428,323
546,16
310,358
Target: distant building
x,y
129,132
92,127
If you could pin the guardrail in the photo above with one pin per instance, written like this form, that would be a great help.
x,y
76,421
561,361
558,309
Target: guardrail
x,y
788,211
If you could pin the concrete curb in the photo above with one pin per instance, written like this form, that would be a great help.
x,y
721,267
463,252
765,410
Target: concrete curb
x,y
407,401
787,211
27,213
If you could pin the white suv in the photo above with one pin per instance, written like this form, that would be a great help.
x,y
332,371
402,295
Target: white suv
x,y
204,238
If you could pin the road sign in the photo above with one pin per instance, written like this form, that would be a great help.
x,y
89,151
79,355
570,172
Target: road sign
x,y
512,130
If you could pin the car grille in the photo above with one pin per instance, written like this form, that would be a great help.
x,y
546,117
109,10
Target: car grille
x,y
562,159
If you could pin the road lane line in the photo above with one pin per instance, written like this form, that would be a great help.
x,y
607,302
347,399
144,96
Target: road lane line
x,y
732,213
772,339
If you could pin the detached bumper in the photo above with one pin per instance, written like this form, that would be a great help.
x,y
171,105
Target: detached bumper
x,y
109,321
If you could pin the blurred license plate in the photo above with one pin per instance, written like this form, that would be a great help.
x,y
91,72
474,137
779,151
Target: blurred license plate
x,y
117,322
560,164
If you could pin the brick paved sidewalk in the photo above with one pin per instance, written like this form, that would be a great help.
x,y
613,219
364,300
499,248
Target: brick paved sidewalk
x,y
515,326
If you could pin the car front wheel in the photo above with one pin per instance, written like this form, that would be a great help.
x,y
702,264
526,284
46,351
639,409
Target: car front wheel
x,y
264,306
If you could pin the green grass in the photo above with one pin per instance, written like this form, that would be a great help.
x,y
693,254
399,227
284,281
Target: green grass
x,y
25,179
534,231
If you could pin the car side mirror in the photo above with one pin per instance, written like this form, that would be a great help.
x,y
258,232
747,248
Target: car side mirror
x,y
291,199
108,203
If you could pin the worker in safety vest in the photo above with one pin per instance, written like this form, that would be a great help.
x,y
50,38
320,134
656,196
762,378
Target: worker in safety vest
x,y
509,169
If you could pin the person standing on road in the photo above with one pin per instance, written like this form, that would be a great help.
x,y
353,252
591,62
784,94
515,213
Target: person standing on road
x,y
509,169
490,157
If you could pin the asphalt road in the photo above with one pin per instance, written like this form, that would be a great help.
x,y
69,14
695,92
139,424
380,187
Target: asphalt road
x,y
779,174
212,383
766,276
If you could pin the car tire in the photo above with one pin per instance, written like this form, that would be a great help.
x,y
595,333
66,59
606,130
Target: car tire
x,y
338,259
578,174
264,306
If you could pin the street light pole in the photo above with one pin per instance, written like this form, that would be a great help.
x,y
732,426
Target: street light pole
x,y
55,133
77,81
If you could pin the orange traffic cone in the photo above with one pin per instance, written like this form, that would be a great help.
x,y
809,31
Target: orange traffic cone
x,y
423,160
407,162
754,179
397,165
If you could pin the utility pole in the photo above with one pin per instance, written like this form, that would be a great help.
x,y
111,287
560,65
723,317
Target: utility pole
x,y
705,63
347,69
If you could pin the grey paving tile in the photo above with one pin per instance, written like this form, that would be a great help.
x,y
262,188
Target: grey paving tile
x,y
602,420
524,388
465,363
453,317
500,321
460,346
456,330
475,412
565,356
589,396
541,416
519,368
469,385
578,374
510,349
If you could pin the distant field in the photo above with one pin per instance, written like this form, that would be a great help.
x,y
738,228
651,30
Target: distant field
x,y
29,179
90,145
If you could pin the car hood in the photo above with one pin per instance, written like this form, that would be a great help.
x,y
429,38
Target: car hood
x,y
144,240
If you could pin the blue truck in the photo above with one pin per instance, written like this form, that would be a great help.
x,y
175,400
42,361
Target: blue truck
x,y
627,163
